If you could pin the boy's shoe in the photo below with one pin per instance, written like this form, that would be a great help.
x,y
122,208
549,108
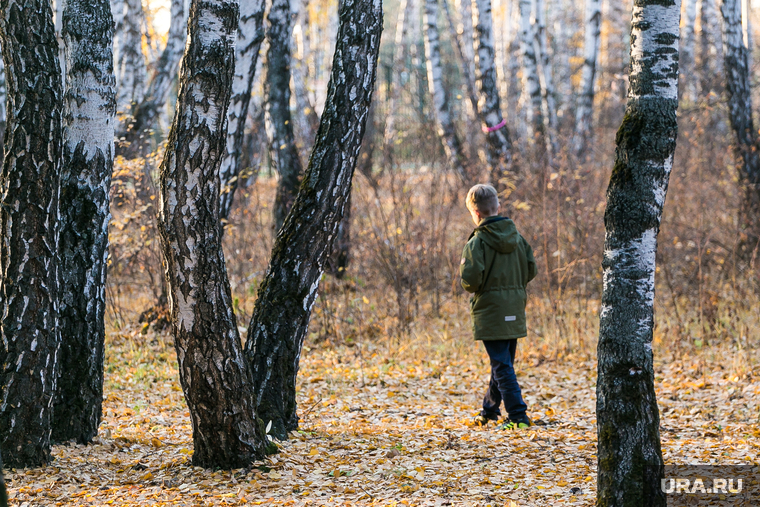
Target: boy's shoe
x,y
518,424
482,419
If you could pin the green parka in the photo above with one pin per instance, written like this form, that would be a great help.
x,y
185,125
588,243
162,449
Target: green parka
x,y
497,264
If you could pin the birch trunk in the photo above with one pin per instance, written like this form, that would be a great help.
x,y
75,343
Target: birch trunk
x,y
149,111
213,372
88,122
3,100
738,91
531,83
306,117
444,122
687,63
499,154
283,151
629,453
29,232
283,308
389,136
131,70
250,35
117,11
545,77
711,48
585,109
464,63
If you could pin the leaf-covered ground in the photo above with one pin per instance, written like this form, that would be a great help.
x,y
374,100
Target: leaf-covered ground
x,y
390,424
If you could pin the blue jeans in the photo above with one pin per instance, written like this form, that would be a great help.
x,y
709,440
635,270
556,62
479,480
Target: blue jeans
x,y
503,385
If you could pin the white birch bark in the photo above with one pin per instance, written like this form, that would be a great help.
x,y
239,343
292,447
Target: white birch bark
x,y
29,190
130,69
151,113
465,64
3,99
88,150
531,83
213,373
307,118
739,94
629,451
117,11
389,134
585,108
545,77
499,153
711,48
250,35
444,121
687,62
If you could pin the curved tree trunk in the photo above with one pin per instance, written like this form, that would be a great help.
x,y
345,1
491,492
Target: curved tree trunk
x,y
740,115
283,308
250,35
148,112
628,422
283,150
212,369
88,119
29,232
499,154
444,122
585,108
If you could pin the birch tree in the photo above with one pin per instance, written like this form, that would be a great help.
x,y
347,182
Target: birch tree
x,y
739,95
585,107
212,369
307,118
546,76
629,453
283,151
3,97
131,71
444,122
149,111
711,48
29,232
687,63
250,35
499,153
531,83
88,130
389,134
464,61
286,296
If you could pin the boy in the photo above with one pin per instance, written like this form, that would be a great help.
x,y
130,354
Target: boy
x,y
497,264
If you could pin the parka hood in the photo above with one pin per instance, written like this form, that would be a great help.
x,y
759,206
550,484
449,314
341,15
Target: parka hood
x,y
499,233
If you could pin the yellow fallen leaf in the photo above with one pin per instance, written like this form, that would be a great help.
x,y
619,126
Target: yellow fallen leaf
x,y
313,451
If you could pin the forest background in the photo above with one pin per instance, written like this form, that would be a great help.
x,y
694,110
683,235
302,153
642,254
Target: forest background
x,y
398,299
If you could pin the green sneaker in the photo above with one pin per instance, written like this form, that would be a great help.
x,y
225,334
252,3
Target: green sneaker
x,y
519,424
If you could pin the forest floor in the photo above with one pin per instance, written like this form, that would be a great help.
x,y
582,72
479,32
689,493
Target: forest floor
x,y
390,424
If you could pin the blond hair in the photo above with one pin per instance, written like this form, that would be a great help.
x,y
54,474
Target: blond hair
x,y
483,198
